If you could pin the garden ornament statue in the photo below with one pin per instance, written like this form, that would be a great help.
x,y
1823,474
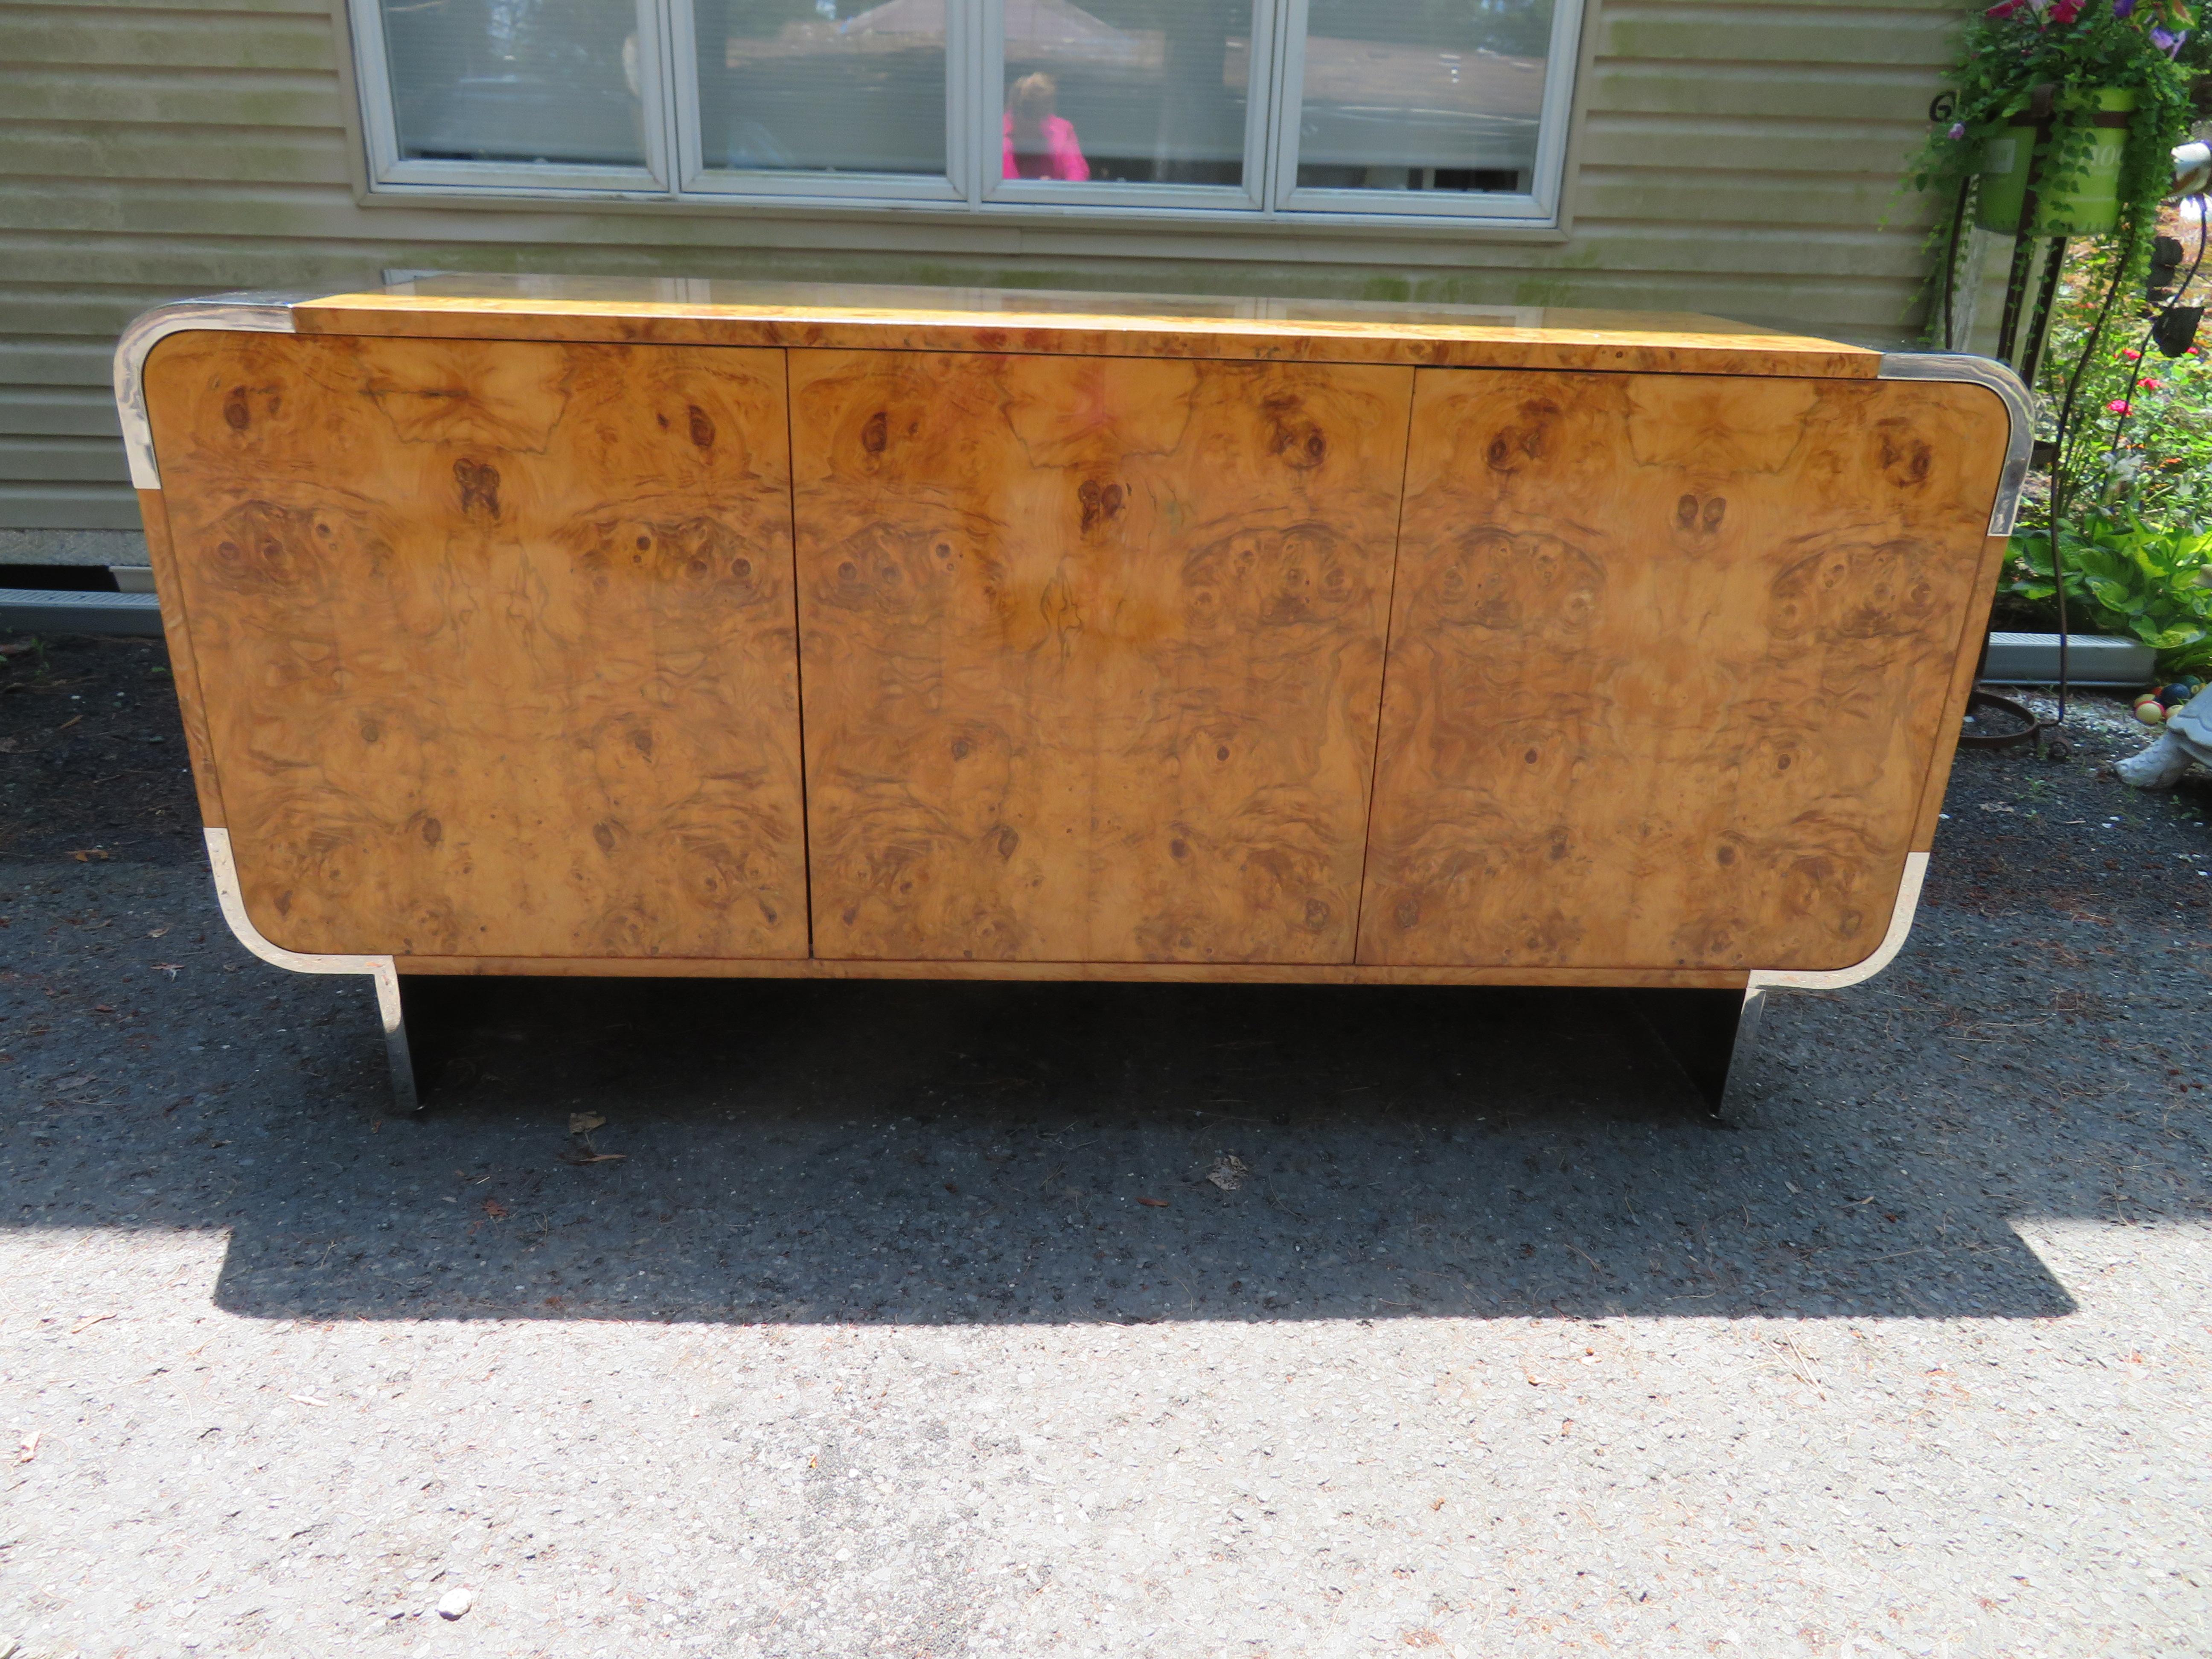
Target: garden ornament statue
x,y
2187,737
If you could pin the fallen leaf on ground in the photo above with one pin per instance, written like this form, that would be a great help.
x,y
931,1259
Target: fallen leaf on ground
x,y
568,1157
582,1124
101,1008
90,1322
81,854
1154,1203
157,932
495,1209
28,1447
309,1400
1228,1172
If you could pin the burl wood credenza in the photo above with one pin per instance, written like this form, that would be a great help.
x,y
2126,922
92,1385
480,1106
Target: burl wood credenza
x,y
538,626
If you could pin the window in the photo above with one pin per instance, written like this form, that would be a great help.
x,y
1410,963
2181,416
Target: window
x,y
1289,109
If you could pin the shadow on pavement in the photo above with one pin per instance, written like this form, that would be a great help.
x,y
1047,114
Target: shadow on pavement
x,y
972,1152
961,1153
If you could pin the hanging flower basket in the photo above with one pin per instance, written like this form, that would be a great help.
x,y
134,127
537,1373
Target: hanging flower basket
x,y
2072,159
2065,112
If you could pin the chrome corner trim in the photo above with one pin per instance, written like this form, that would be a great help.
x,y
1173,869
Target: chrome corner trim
x,y
1753,1012
1900,927
2019,405
252,313
233,899
381,968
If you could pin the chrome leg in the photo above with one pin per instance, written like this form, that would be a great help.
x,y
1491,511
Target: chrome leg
x,y
404,1095
1735,1085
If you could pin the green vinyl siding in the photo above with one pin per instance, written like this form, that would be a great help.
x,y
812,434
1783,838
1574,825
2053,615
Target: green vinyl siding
x,y
1737,159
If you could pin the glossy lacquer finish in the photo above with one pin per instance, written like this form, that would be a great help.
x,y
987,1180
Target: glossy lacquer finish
x,y
552,626
495,641
1669,664
1093,652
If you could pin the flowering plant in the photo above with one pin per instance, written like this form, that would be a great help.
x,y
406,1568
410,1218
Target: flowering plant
x,y
2133,555
2049,57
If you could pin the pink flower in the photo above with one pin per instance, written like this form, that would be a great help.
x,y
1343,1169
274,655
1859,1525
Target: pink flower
x,y
2120,406
2004,10
2131,354
2066,11
2149,386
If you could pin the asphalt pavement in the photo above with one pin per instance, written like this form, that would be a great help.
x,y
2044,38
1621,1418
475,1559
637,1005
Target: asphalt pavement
x,y
932,1320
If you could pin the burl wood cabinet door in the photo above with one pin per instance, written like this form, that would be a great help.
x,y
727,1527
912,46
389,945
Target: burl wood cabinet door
x,y
496,640
1669,662
1092,652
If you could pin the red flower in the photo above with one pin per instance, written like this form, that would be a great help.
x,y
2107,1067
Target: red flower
x,y
2066,11
2149,386
2120,407
2131,354
2004,10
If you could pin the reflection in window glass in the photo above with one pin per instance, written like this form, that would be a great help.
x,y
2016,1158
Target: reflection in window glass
x,y
1423,95
1127,91
516,80
826,86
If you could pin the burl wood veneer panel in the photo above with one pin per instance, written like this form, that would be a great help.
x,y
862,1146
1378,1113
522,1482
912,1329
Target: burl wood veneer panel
x,y
1092,652
1669,664
495,639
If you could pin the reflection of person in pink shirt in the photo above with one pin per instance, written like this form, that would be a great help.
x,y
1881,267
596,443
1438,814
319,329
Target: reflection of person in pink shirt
x,y
1039,144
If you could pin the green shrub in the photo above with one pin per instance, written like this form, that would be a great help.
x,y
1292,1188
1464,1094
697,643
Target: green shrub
x,y
2126,577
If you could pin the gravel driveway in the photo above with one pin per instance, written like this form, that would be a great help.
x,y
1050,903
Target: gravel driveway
x,y
909,1320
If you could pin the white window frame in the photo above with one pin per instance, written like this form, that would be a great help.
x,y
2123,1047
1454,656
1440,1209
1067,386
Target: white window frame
x,y
379,123
970,188
955,185
1540,203
1247,199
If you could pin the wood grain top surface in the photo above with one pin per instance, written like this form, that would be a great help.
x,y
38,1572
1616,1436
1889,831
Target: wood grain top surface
x,y
692,311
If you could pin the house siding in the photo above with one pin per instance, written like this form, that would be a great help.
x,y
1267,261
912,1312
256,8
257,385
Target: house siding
x,y
1735,159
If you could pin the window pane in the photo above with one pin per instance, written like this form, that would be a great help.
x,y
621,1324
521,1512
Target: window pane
x,y
1422,94
825,86
1127,91
516,80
